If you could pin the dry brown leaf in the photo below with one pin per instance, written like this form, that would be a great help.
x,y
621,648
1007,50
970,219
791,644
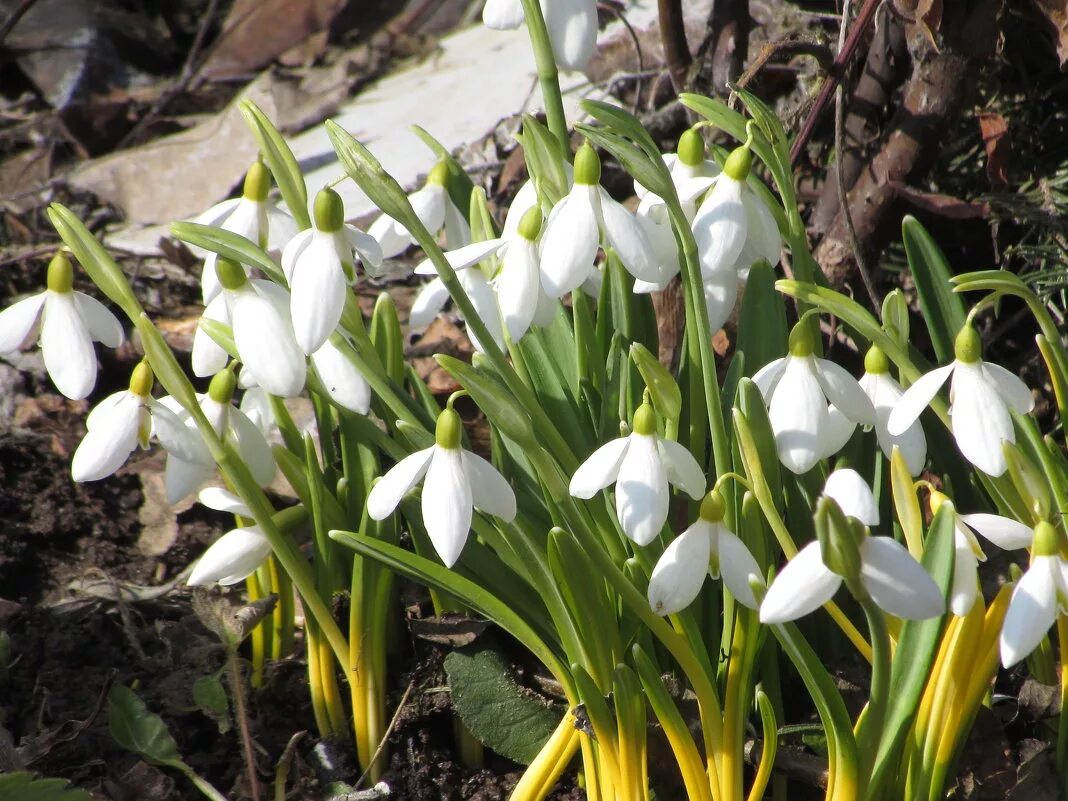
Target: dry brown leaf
x,y
994,130
1056,14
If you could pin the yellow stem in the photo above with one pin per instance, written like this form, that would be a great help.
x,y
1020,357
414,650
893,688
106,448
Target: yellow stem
x,y
542,774
256,639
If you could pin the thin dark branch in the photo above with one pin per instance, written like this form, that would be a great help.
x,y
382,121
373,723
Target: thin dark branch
x,y
13,20
830,83
673,40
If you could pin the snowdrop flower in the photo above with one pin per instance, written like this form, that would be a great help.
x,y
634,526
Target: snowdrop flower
x,y
798,389
691,172
124,420
1040,595
345,384
733,227
237,553
319,265
456,480
70,321
706,546
641,465
258,313
434,208
517,291
249,216
572,26
884,393
879,566
980,397
577,225
183,474
1002,531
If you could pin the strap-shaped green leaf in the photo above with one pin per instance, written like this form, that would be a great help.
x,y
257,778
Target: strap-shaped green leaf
x,y
943,310
280,161
762,330
230,246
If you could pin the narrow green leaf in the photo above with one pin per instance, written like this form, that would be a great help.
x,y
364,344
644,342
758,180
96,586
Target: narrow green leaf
x,y
493,398
280,161
667,397
230,246
502,715
942,309
652,175
622,122
762,329
895,314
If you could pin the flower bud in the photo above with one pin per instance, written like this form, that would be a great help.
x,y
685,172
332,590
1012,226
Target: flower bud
x,y
141,380
587,166
1047,541
644,420
221,388
449,430
738,163
839,539
257,182
967,347
713,507
329,211
530,223
439,175
875,361
231,274
60,273
801,343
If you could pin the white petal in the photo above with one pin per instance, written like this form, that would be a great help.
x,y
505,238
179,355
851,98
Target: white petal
x,y
682,469
885,393
484,300
853,495
180,477
457,231
798,414
429,206
804,585
572,28
980,420
222,500
393,238
600,469
17,320
965,587
490,492
266,343
917,398
447,504
1032,610
231,558
365,245
175,437
209,279
319,289
721,295
642,490
626,236
720,226
767,377
252,447
394,485
519,286
845,393
503,14
256,404
525,199
215,216
569,242
546,309
837,433
428,303
280,227
463,257
207,357
679,573
110,440
102,324
737,566
897,582
1002,531
762,237
67,346
292,253
345,385
1009,386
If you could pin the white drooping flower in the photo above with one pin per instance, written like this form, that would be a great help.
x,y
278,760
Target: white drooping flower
x,y
320,268
258,313
434,208
733,226
885,393
124,420
887,572
1040,594
572,26
798,390
641,465
707,546
518,299
456,482
237,553
1002,531
340,377
580,222
980,397
183,474
70,321
250,216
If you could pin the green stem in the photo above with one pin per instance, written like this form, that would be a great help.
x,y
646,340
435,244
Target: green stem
x,y
548,74
870,726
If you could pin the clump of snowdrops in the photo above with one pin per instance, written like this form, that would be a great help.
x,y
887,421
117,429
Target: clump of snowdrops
x,y
633,520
